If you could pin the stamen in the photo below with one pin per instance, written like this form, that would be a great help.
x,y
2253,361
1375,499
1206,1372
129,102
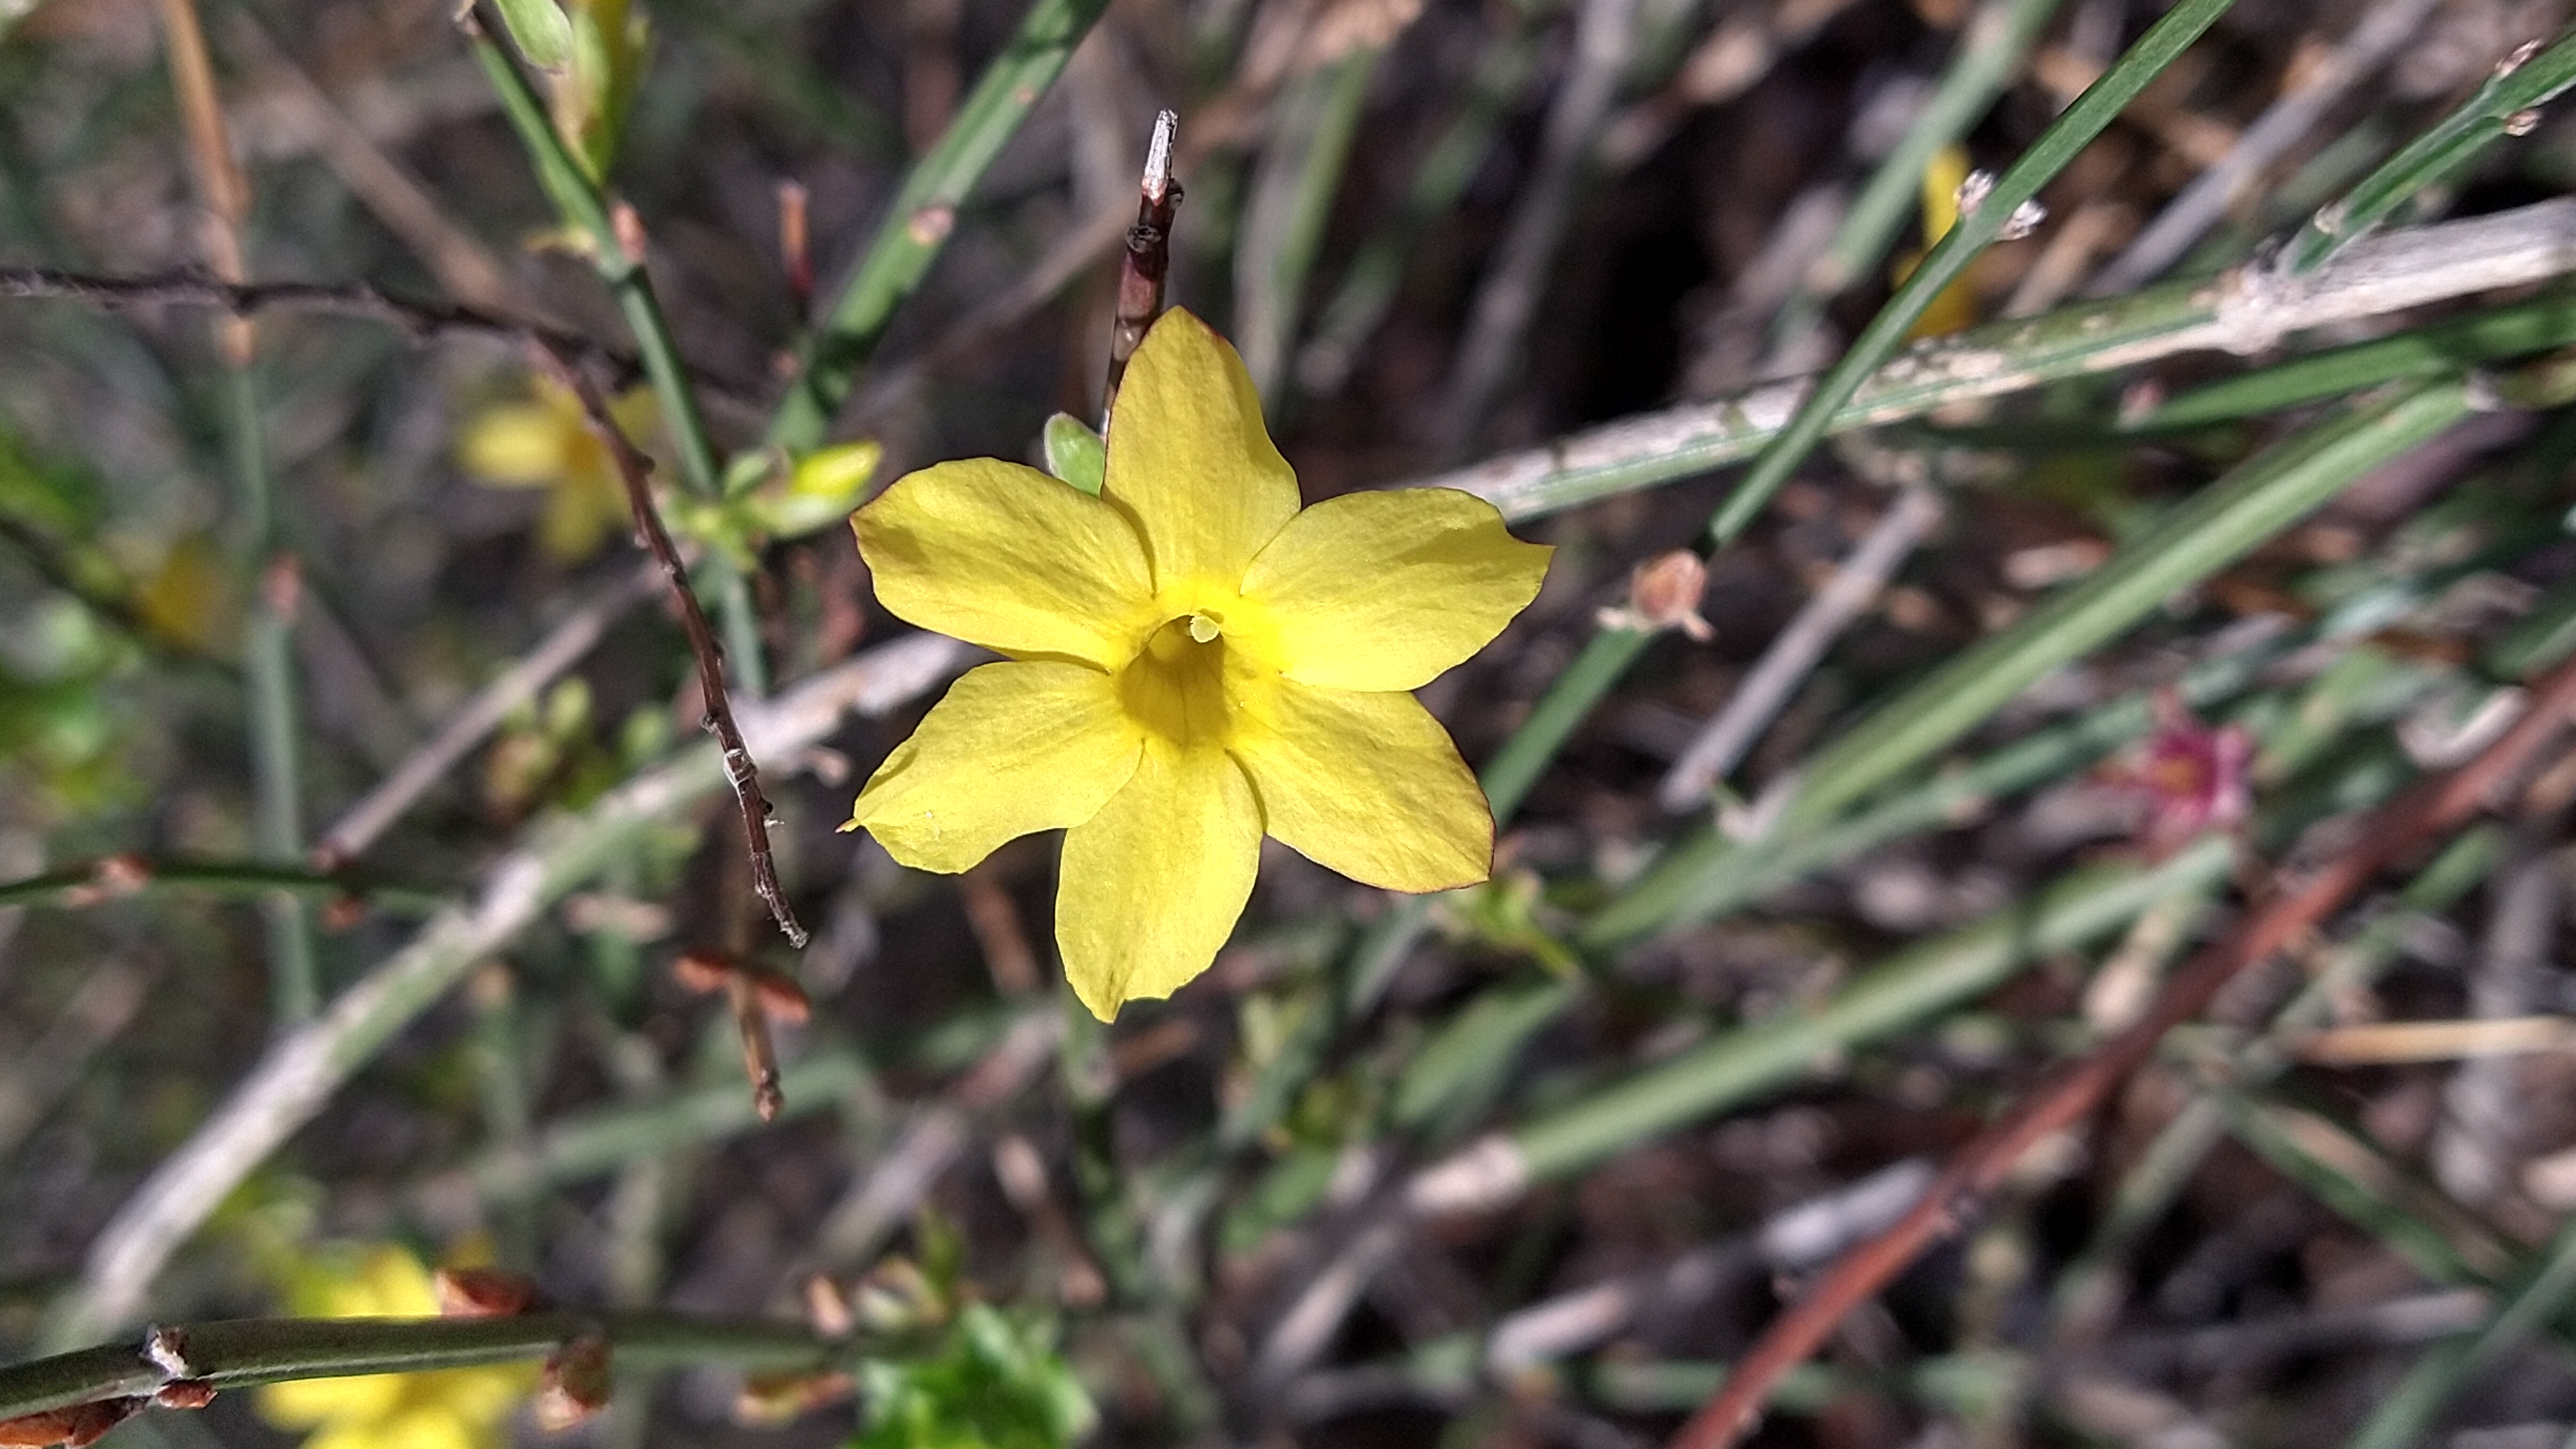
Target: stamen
x,y
1203,629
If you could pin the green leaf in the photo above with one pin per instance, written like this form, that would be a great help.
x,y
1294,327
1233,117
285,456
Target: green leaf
x,y
993,1383
1075,453
540,29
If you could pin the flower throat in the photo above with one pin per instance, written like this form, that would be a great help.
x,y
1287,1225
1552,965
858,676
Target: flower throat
x,y
1175,686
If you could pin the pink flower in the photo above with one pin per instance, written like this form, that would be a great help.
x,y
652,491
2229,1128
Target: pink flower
x,y
2187,777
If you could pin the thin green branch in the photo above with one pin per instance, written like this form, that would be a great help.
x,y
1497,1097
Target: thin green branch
x,y
2220,525
1910,987
923,214
2408,1410
2507,105
589,1144
585,210
1709,875
268,670
2100,104
242,1352
1992,47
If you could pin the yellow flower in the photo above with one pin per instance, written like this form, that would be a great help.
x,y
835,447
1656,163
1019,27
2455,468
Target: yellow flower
x,y
547,443
1194,663
1955,308
449,1409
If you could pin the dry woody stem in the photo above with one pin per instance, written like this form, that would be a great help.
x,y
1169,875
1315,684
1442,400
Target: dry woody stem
x,y
2430,811
634,469
1148,256
422,320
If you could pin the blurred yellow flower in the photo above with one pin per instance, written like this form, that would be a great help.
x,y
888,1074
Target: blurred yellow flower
x,y
1194,663
547,443
191,601
448,1409
1955,308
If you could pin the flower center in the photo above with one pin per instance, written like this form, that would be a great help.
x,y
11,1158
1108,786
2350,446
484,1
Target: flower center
x,y
1175,686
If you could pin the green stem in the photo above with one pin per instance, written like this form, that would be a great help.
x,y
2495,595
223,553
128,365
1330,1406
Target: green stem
x,y
1916,984
2479,122
2218,526
1300,170
2074,129
2407,1411
1709,875
1377,270
923,214
1991,48
268,671
590,1144
582,207
243,1352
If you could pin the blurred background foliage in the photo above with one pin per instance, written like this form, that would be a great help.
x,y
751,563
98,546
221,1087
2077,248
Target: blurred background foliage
x,y
2101,610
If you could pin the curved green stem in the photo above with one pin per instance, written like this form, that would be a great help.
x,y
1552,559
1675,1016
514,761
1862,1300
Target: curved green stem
x,y
924,212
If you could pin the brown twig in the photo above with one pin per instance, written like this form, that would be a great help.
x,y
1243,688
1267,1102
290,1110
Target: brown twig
x,y
759,1048
454,255
1148,257
422,320
2433,808
221,188
635,470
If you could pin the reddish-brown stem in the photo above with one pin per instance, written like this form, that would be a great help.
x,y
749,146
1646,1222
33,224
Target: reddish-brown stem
x,y
1148,257
635,470
2433,808
794,252
759,1049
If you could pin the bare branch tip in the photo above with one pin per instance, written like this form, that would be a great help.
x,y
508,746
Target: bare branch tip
x,y
1158,156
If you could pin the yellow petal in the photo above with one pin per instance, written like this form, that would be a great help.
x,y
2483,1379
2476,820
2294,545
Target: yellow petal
x,y
1368,785
349,1434
1009,558
636,412
396,1285
1386,590
1013,748
309,1403
1153,884
517,446
1189,459
482,1395
427,1424
581,512
1943,175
